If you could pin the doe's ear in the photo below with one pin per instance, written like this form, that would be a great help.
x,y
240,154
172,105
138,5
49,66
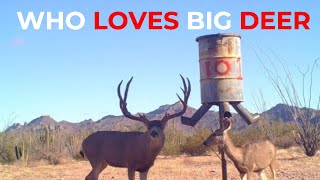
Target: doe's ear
x,y
227,124
227,114
218,132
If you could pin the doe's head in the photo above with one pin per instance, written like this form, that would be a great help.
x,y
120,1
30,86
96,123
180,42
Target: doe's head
x,y
216,138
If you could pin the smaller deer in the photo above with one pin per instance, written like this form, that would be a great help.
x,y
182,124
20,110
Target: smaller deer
x,y
136,151
249,158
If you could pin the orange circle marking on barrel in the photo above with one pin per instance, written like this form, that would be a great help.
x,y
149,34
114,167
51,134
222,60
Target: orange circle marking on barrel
x,y
222,67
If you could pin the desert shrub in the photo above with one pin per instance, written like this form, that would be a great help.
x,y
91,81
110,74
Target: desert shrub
x,y
285,142
7,154
278,132
73,143
51,152
25,142
193,145
298,103
78,156
51,157
246,136
45,144
275,129
53,145
174,141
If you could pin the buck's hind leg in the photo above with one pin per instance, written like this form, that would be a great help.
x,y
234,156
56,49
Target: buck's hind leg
x,y
97,167
131,174
144,175
103,165
89,176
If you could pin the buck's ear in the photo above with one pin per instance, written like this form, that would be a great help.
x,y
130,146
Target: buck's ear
x,y
147,124
163,124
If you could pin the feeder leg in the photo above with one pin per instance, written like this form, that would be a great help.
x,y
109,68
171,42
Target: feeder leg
x,y
223,108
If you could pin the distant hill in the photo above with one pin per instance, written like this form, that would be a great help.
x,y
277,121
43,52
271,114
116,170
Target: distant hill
x,y
110,122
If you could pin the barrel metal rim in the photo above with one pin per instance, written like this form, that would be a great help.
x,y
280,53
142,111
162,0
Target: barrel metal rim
x,y
219,35
221,101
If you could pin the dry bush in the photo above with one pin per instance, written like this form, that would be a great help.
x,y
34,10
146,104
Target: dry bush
x,y
193,145
73,143
55,146
7,154
47,145
299,97
173,142
285,142
278,132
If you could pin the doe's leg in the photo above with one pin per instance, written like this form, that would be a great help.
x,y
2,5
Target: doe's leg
x,y
249,175
243,176
273,170
263,175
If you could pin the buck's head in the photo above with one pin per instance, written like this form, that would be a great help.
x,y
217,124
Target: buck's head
x,y
217,136
155,127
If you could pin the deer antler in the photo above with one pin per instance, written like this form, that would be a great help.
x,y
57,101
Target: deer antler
x,y
186,93
123,105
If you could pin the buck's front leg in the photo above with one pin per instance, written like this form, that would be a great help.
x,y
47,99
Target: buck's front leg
x,y
144,175
131,174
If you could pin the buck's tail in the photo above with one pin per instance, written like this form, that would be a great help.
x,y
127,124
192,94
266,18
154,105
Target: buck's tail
x,y
81,153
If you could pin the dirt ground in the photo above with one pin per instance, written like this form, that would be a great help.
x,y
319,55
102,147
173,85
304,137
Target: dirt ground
x,y
291,164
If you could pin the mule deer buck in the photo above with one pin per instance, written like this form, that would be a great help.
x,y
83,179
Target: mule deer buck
x,y
136,151
254,157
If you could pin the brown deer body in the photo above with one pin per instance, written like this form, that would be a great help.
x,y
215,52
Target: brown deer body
x,y
250,158
136,151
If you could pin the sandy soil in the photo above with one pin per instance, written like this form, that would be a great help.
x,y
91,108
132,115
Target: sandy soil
x,y
291,164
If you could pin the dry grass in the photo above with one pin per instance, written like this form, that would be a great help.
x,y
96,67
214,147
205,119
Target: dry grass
x,y
292,164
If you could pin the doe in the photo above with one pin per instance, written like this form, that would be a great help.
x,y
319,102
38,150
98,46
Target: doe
x,y
249,158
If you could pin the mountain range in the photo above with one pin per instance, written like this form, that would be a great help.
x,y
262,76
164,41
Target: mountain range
x,y
110,122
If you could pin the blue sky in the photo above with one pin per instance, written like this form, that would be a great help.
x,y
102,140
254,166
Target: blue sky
x,y
73,75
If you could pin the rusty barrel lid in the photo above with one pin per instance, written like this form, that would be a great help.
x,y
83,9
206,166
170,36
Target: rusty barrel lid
x,y
219,35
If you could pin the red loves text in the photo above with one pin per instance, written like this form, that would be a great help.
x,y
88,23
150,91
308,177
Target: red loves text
x,y
156,20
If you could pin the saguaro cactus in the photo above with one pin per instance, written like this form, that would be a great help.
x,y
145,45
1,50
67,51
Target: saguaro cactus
x,y
48,136
22,149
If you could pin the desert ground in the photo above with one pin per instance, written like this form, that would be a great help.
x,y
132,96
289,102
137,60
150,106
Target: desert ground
x,y
291,164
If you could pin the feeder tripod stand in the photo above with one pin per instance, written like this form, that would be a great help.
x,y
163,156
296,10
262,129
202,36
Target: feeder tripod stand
x,y
223,107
